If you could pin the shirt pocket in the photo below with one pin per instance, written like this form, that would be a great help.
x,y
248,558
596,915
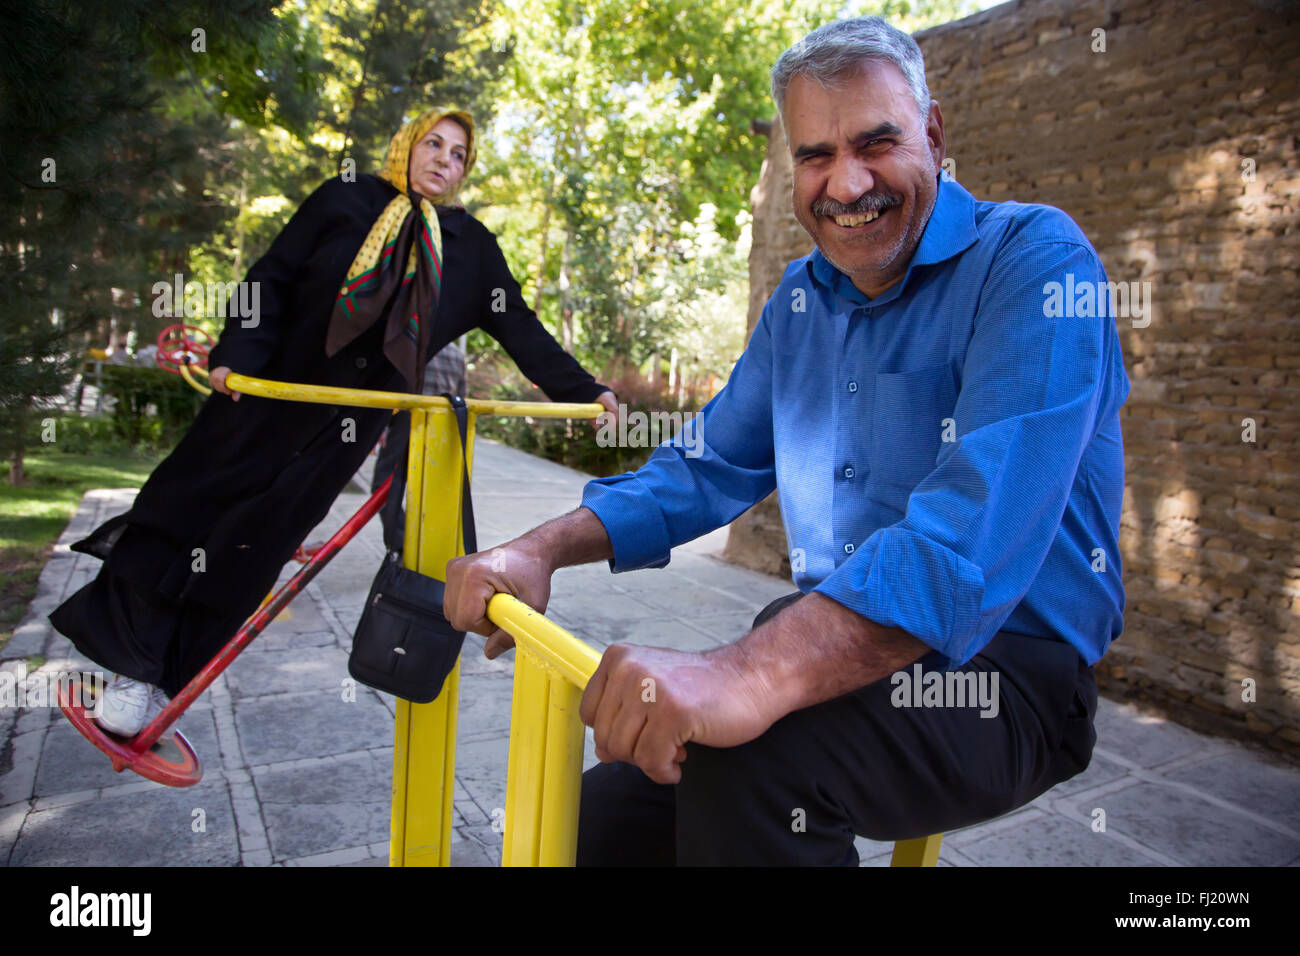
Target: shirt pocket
x,y
908,427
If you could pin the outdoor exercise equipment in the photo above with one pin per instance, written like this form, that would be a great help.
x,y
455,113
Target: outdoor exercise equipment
x,y
158,752
164,755
178,348
552,667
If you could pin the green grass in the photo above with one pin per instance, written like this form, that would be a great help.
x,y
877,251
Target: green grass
x,y
33,515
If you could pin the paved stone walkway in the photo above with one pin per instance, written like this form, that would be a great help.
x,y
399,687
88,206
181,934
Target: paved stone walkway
x,y
297,775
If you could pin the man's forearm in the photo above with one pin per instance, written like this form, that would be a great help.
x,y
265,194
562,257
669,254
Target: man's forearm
x,y
574,538
813,651
816,650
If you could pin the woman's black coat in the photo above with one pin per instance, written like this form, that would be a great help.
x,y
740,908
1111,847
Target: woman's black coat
x,y
251,478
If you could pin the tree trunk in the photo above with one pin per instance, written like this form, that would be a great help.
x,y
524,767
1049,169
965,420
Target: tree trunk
x,y
360,91
566,311
546,242
239,226
16,476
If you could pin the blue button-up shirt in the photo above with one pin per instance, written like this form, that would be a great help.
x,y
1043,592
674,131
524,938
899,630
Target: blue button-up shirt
x,y
948,454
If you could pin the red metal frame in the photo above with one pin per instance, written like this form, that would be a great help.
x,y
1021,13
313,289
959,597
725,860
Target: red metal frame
x,y
177,347
172,761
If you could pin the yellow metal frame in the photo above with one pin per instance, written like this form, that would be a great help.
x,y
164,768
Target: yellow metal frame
x,y
364,398
552,667
194,383
544,773
424,741
923,851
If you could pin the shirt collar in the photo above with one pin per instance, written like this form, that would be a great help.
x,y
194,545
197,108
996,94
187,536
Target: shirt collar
x,y
950,231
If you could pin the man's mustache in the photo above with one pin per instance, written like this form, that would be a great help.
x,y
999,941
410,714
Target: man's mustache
x,y
867,202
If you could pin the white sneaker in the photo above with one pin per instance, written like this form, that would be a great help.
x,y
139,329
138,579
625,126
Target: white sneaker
x,y
129,705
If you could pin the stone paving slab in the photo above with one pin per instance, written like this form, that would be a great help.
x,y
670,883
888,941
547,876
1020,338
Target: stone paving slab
x,y
298,765
295,670
1239,779
150,825
322,806
311,725
1050,840
1184,825
69,762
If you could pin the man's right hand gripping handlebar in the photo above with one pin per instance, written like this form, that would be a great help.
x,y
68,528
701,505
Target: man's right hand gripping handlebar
x,y
523,568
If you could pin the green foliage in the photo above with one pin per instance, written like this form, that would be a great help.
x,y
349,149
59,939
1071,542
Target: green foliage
x,y
33,515
622,127
616,158
152,408
80,435
143,140
574,443
110,121
149,410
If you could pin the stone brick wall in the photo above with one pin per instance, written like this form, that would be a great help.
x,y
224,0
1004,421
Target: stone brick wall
x,y
1175,149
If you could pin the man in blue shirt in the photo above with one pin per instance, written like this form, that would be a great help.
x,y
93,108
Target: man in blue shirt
x,y
946,448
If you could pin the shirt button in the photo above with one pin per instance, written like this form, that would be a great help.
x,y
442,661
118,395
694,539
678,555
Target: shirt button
x,y
848,472
361,363
853,386
848,548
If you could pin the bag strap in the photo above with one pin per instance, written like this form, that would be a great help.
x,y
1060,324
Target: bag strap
x,y
392,511
391,515
466,500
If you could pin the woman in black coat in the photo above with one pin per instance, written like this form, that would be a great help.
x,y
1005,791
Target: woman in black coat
x,y
346,291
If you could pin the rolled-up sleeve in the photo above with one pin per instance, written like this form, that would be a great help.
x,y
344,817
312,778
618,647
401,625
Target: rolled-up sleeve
x,y
977,529
716,467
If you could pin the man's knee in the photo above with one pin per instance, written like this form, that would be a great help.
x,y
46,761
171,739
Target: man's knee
x,y
755,805
625,818
1078,738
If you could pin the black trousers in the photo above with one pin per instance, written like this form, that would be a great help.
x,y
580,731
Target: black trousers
x,y
854,765
392,455
144,635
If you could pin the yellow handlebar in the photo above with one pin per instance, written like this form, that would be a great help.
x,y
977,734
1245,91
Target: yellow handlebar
x,y
198,386
331,395
545,639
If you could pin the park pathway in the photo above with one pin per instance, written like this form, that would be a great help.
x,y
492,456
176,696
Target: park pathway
x,y
295,774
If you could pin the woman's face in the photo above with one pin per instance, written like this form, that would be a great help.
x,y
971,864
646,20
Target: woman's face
x,y
437,163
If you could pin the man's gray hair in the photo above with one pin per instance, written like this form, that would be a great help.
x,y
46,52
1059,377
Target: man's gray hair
x,y
838,48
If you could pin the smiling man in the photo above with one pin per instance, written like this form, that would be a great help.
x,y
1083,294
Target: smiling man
x,y
864,185
950,470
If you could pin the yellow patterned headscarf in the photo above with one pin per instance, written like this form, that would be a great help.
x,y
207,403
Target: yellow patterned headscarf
x,y
399,149
398,237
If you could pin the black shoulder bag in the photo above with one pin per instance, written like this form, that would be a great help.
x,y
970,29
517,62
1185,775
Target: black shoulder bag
x,y
403,644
